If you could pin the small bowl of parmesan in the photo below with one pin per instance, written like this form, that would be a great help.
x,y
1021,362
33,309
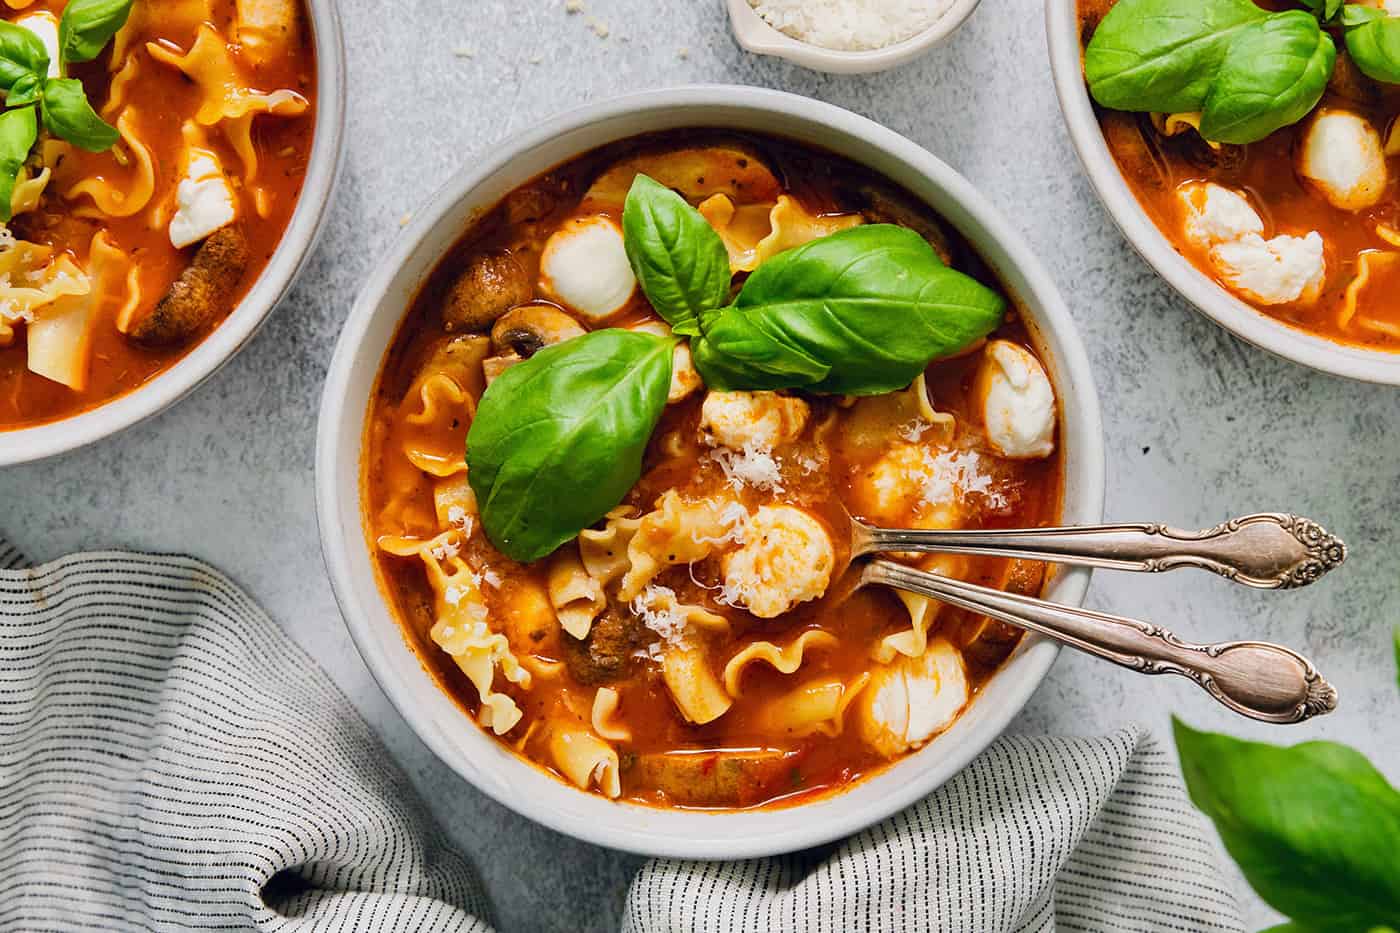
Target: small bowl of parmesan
x,y
846,36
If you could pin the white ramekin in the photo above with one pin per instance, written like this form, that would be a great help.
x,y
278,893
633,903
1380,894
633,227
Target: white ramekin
x,y
755,34
371,326
1215,302
229,337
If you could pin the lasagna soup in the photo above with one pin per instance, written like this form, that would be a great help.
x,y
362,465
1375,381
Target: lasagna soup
x,y
694,645
133,233
1286,197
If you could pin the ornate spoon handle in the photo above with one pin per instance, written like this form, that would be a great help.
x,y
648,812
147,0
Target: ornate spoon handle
x,y
1269,551
1256,679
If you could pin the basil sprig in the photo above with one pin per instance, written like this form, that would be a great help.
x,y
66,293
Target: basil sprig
x,y
678,258
1373,40
1247,71
84,30
558,440
861,312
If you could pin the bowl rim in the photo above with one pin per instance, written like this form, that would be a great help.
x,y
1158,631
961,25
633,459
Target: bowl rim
x,y
25,445
757,35
486,763
1208,297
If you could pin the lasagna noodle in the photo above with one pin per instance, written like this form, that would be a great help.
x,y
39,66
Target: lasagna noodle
x,y
817,706
225,98
677,532
913,641
604,717
585,759
699,695
462,627
45,280
1368,265
784,660
60,339
577,595
755,233
112,199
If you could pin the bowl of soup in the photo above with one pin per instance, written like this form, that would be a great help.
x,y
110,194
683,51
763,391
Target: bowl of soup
x,y
1274,210
143,246
592,436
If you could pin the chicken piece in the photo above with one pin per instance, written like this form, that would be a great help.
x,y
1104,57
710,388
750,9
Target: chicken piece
x,y
787,558
1341,156
911,700
751,420
1016,401
585,267
491,285
204,292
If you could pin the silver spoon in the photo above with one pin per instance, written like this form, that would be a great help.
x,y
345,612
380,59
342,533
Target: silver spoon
x,y
1263,681
1269,551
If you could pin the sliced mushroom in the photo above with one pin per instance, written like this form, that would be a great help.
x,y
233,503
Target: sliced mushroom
x,y
202,293
491,285
523,331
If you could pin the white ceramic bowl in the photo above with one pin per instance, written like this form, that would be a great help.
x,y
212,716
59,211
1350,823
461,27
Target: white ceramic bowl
x,y
1215,302
239,327
488,764
755,34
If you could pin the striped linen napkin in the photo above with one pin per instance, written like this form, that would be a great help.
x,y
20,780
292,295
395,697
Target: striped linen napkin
x,y
170,760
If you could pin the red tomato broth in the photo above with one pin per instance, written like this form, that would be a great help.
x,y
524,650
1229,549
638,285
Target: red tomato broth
x,y
795,769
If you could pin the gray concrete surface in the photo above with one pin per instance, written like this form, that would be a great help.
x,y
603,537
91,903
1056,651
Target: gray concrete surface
x,y
1200,426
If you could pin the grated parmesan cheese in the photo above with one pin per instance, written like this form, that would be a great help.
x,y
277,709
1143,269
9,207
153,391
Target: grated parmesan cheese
x,y
667,622
752,466
851,25
951,470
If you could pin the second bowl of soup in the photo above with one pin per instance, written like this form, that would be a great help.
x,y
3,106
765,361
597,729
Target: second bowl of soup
x,y
590,444
1247,151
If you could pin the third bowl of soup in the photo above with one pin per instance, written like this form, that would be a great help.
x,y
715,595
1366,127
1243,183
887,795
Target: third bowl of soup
x,y
593,436
1267,196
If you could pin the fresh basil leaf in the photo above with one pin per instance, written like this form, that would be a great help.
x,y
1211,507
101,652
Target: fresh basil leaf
x,y
24,91
18,131
1273,75
68,115
21,54
1373,41
861,312
1162,55
679,259
1324,10
88,25
558,439
1313,827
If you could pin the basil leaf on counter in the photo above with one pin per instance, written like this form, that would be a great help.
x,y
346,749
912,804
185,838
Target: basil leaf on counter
x,y
860,312
68,115
558,440
88,25
1373,41
678,258
1162,55
21,54
18,131
1314,827
1273,75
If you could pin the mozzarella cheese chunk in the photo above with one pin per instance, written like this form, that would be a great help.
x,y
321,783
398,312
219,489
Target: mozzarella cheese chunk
x,y
685,378
911,700
1016,401
787,558
44,25
1215,214
752,420
584,267
1278,271
1342,157
204,201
